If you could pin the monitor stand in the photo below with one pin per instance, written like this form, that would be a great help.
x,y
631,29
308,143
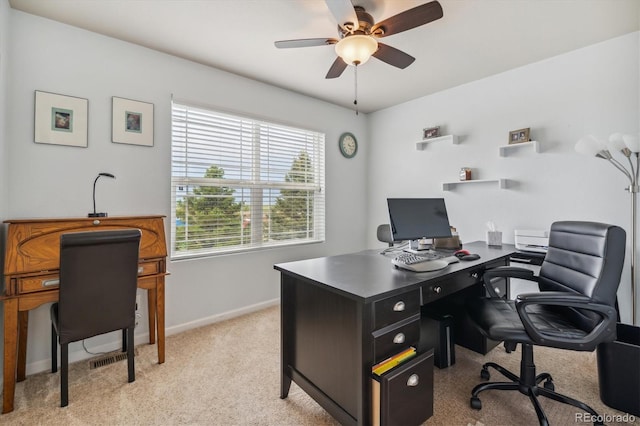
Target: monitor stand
x,y
424,245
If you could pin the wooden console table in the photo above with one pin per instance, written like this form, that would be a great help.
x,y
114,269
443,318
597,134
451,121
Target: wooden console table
x,y
32,262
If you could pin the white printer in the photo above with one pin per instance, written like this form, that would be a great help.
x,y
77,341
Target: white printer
x,y
531,240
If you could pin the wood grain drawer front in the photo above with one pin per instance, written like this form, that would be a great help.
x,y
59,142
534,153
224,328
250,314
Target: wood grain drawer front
x,y
396,308
148,268
40,283
395,338
404,395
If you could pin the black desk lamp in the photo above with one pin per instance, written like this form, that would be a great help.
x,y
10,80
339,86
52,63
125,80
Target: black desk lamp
x,y
94,214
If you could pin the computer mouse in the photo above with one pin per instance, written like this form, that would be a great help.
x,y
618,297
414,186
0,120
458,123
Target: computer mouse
x,y
461,252
472,256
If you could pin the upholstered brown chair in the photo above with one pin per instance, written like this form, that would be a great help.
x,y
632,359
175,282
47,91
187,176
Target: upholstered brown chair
x,y
574,310
98,281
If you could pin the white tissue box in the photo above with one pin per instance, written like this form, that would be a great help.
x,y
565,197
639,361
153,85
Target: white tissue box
x,y
494,238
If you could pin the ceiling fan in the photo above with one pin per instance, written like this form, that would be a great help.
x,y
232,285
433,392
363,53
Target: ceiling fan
x,y
358,35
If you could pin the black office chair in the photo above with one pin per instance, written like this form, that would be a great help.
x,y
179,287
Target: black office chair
x,y
98,281
574,310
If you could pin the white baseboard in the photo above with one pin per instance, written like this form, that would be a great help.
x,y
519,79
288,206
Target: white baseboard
x,y
221,317
79,355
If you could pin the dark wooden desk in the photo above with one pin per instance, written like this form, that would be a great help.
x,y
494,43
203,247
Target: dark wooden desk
x,y
332,311
32,260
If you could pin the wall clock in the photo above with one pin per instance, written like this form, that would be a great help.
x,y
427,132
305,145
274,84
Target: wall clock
x,y
348,145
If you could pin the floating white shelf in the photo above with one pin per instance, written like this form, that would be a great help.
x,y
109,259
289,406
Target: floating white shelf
x,y
504,149
420,146
448,186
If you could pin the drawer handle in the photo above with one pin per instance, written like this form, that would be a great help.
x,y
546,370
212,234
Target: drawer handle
x,y
399,306
49,283
140,270
398,338
96,222
413,380
437,290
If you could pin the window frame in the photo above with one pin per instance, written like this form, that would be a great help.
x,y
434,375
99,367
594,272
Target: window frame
x,y
313,139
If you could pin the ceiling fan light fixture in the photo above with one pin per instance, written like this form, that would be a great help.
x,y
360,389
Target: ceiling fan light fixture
x,y
356,49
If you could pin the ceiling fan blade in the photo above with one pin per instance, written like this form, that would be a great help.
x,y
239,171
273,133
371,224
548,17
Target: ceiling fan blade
x,y
344,13
393,56
305,42
337,68
409,19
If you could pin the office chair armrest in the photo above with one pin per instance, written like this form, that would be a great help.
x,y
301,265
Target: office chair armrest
x,y
505,272
607,324
509,272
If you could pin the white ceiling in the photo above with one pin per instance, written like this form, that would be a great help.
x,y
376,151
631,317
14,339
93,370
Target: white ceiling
x,y
474,39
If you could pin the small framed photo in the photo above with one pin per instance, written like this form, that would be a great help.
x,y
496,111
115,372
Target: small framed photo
x,y
132,122
60,119
431,132
519,136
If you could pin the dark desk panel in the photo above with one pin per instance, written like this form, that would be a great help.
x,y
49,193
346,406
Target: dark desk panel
x,y
333,310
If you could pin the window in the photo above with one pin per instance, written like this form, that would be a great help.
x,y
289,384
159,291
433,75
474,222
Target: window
x,y
238,183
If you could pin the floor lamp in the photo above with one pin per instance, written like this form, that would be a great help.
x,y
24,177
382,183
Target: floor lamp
x,y
629,146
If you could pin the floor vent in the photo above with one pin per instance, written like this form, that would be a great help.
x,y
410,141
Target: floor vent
x,y
109,359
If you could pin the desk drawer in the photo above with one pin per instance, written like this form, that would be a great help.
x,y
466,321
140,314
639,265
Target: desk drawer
x,y
391,340
404,395
396,308
39,283
149,268
436,290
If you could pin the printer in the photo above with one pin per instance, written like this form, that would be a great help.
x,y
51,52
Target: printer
x,y
532,241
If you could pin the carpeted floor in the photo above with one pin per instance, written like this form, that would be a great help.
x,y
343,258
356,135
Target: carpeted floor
x,y
228,374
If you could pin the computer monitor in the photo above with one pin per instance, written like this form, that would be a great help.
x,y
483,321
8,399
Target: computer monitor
x,y
418,218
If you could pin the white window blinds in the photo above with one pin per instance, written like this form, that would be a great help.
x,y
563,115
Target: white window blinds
x,y
240,183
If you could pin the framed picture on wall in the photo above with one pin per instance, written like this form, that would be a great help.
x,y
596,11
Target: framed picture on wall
x,y
519,136
132,122
431,132
60,119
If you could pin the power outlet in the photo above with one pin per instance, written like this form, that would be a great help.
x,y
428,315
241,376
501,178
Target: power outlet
x,y
138,309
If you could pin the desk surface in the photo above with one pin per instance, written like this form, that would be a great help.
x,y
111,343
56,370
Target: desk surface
x,y
368,275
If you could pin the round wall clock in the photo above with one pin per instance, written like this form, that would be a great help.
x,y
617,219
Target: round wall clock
x,y
348,145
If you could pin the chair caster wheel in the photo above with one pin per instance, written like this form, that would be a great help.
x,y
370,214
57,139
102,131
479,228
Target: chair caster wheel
x,y
475,403
484,374
548,384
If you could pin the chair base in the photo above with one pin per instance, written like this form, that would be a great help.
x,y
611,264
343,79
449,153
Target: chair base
x,y
527,384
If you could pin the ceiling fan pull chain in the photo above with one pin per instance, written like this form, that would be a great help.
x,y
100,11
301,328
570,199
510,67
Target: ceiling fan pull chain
x,y
355,101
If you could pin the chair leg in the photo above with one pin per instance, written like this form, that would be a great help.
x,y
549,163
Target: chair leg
x,y
527,384
64,375
124,340
567,400
542,418
130,355
54,349
508,374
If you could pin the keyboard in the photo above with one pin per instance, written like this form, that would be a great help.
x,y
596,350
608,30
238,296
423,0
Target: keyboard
x,y
423,263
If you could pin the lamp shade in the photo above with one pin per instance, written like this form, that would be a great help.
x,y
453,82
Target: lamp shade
x,y
588,145
356,49
632,142
616,142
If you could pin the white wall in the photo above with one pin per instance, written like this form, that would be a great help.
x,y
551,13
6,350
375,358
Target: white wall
x,y
4,172
4,175
56,181
593,90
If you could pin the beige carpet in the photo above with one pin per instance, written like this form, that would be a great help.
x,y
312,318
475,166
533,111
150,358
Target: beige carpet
x,y
228,374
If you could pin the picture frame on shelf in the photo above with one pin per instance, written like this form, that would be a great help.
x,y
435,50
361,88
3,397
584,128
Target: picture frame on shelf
x,y
431,132
132,122
60,119
519,136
